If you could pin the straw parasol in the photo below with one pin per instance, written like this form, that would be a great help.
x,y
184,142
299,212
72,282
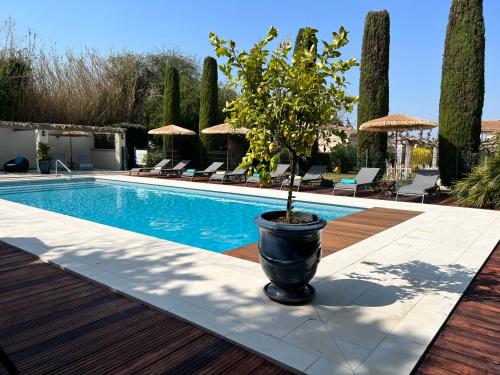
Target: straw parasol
x,y
225,129
171,130
396,123
70,134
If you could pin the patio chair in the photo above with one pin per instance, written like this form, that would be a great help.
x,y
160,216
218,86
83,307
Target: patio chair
x,y
276,176
84,163
423,183
19,164
192,173
238,174
364,178
314,174
162,164
176,170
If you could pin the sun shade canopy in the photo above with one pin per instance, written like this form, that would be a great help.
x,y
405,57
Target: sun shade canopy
x,y
171,130
397,122
225,129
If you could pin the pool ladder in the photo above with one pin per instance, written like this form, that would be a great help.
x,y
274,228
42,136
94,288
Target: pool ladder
x,y
65,167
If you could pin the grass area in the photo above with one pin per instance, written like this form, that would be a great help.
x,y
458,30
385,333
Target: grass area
x,y
336,177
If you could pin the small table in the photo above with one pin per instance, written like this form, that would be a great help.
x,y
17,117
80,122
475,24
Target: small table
x,y
387,186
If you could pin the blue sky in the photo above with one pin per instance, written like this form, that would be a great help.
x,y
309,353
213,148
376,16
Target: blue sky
x,y
417,34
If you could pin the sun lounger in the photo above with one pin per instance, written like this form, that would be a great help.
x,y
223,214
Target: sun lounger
x,y
176,170
84,163
238,174
160,165
423,183
364,178
314,174
276,176
212,168
19,164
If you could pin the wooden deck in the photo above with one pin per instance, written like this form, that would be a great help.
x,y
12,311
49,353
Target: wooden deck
x,y
343,232
469,342
54,321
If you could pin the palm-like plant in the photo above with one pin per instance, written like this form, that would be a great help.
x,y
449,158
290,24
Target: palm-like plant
x,y
481,188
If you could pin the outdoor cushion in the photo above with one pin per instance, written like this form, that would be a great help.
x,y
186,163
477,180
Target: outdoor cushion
x,y
220,172
348,181
256,175
191,170
19,160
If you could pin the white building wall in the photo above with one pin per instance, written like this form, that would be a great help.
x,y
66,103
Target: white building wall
x,y
104,159
100,158
17,143
23,143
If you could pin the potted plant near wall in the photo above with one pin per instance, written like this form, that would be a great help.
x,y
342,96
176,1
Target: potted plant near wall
x,y
287,102
44,157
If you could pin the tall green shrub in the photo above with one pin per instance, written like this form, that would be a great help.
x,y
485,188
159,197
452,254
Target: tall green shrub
x,y
374,86
171,102
481,188
209,93
462,87
13,76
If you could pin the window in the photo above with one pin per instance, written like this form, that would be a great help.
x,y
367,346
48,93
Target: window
x,y
104,141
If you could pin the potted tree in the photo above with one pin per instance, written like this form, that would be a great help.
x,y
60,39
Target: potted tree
x,y
287,102
44,157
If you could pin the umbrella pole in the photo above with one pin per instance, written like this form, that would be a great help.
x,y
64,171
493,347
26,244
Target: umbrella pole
x,y
227,153
172,148
396,157
70,152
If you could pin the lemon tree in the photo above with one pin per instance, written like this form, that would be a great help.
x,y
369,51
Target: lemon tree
x,y
286,100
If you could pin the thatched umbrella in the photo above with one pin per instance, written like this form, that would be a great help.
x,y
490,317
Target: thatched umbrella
x,y
396,123
171,130
225,129
70,134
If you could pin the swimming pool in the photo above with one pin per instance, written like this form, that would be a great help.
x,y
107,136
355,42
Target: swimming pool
x,y
209,220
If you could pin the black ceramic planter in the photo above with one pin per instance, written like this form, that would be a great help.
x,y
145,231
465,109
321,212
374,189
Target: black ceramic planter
x,y
44,166
289,256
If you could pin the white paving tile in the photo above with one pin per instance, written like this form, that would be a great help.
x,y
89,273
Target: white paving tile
x,y
213,322
315,337
360,326
394,356
420,324
325,367
274,348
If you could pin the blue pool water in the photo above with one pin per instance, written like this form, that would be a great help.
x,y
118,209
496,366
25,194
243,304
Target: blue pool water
x,y
212,221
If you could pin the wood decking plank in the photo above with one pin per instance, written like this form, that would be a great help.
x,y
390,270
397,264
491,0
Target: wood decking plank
x,y
90,342
72,325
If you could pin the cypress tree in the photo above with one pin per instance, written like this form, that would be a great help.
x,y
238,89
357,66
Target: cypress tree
x,y
209,93
171,102
305,39
171,97
374,86
462,87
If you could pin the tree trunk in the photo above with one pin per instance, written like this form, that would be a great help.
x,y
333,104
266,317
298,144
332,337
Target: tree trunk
x,y
289,203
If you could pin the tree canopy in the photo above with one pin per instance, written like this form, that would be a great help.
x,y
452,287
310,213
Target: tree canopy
x,y
286,101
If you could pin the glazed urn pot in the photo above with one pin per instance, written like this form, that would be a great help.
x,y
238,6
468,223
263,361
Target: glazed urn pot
x,y
44,166
289,255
